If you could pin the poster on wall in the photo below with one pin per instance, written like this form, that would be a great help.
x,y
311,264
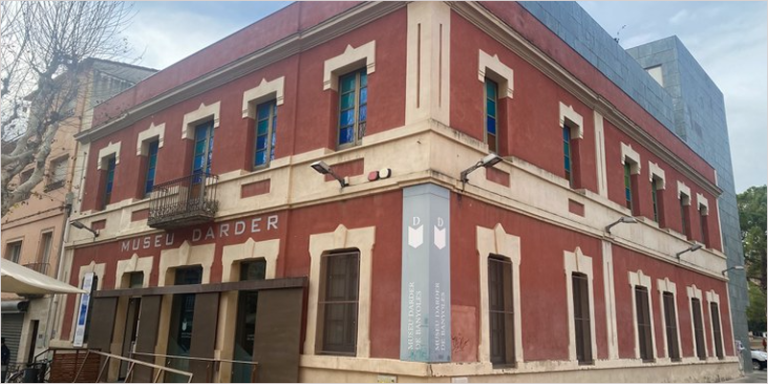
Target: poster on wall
x,y
82,310
425,333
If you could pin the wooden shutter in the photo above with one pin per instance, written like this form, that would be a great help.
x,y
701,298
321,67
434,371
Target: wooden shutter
x,y
581,317
100,335
715,313
698,329
146,337
277,338
643,324
501,308
206,316
671,326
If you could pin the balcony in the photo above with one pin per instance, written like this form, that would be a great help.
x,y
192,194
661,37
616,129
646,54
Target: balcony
x,y
38,267
183,202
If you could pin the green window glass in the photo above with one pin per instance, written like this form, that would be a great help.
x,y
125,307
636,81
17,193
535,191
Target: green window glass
x,y
110,180
353,107
491,115
567,154
266,124
627,185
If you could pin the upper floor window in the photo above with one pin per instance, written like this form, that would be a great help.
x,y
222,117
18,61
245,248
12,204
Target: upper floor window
x,y
655,198
201,160
338,305
266,124
567,154
58,174
628,186
110,179
23,177
46,243
491,115
501,308
149,182
685,215
353,108
13,251
704,223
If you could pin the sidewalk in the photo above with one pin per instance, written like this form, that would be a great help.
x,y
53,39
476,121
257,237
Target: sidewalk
x,y
754,377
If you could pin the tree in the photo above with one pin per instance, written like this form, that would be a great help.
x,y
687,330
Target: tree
x,y
752,217
45,45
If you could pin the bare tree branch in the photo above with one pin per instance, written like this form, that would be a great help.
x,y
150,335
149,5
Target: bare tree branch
x,y
45,57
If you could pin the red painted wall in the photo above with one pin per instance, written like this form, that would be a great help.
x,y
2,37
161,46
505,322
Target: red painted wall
x,y
544,39
299,130
626,261
671,206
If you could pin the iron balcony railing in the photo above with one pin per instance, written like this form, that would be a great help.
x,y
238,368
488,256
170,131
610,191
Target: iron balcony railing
x,y
187,201
38,267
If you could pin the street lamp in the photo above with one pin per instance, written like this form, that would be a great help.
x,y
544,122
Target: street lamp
x,y
486,162
735,268
80,225
621,220
324,169
692,248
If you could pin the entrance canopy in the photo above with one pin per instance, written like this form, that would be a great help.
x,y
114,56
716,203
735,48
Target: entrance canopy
x,y
24,281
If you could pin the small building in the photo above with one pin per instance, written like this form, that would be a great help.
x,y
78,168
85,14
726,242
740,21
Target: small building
x,y
33,230
393,191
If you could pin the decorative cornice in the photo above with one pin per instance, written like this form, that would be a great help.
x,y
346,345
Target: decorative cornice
x,y
504,34
290,45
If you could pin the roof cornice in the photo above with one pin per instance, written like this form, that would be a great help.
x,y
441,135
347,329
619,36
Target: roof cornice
x,y
504,34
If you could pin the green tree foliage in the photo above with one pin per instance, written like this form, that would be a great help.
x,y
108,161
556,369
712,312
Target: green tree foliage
x,y
756,310
752,214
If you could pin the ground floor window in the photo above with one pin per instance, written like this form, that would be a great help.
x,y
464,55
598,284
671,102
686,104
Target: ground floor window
x,y
338,303
247,304
182,320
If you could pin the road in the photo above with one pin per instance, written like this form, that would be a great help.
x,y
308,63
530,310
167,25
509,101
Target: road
x,y
754,377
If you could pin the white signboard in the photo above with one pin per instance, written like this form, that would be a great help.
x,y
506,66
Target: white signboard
x,y
82,310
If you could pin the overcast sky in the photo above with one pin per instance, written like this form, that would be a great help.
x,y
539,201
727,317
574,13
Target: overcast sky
x,y
729,40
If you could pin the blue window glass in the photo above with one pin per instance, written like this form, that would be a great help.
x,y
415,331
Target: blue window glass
x,y
110,176
266,125
567,154
201,161
151,166
353,107
491,116
628,186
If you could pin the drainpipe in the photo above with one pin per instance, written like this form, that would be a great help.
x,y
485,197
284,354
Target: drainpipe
x,y
59,269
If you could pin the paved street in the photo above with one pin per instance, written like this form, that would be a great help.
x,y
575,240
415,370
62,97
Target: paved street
x,y
754,377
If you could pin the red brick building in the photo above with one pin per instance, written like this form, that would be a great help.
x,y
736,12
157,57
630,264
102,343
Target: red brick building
x,y
217,234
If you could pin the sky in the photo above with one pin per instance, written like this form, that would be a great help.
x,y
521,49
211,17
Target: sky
x,y
728,39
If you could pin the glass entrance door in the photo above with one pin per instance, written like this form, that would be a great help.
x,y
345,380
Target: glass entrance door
x,y
246,321
182,319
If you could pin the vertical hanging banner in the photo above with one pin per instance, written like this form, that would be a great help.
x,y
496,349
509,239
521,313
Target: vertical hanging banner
x,y
425,324
82,311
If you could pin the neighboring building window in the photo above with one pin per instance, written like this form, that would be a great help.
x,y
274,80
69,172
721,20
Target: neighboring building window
x,y
714,311
582,321
13,251
338,303
698,329
567,156
670,324
704,225
353,108
266,123
44,252
655,198
502,315
628,186
58,174
491,115
643,312
685,215
149,182
110,179
201,160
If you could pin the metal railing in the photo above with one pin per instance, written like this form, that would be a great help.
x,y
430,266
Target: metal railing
x,y
131,365
182,202
38,267
213,366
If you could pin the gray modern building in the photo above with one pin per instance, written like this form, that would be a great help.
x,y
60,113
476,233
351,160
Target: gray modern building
x,y
664,78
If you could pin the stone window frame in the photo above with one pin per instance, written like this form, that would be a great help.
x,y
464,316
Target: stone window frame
x,y
154,132
664,285
202,114
695,293
577,262
640,279
713,297
491,242
574,122
351,59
